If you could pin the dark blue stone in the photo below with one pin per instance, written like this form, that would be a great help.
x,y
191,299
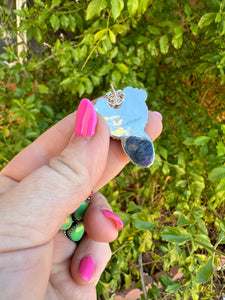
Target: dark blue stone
x,y
140,150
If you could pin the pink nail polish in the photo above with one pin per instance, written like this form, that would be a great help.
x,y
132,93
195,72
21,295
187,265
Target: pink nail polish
x,y
117,221
86,119
158,114
86,268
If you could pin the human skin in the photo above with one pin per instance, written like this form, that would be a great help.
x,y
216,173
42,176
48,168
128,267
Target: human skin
x,y
43,184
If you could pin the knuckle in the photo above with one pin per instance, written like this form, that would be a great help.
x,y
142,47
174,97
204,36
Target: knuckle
x,y
70,174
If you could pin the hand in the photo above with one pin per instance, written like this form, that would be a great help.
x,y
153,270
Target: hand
x,y
43,184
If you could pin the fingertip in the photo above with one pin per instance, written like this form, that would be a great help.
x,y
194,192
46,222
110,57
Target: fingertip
x,y
154,125
158,114
99,227
89,261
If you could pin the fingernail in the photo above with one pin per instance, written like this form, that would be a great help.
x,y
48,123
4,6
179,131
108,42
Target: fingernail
x,y
158,114
86,268
110,215
86,119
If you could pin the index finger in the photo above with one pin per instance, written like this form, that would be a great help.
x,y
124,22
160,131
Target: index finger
x,y
39,153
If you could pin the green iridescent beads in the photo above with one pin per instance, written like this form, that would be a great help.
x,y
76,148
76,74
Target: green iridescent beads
x,y
73,226
79,213
76,232
68,223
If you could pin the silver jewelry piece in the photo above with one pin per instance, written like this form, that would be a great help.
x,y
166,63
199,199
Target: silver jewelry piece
x,y
126,114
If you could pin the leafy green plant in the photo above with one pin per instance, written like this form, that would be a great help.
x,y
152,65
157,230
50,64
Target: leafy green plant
x,y
174,211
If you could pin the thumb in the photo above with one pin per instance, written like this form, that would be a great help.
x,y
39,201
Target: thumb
x,y
35,209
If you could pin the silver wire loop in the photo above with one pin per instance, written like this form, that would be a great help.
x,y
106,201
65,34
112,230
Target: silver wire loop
x,y
115,99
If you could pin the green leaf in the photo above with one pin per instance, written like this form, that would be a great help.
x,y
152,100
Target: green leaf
x,y
95,7
194,28
152,48
4,132
163,152
21,13
176,235
205,272
217,174
178,31
164,44
221,186
112,36
95,80
206,20
221,224
220,148
203,239
55,22
105,69
182,220
218,17
55,3
132,6
173,288
188,141
72,22
38,34
99,34
80,88
177,40
143,4
64,21
116,76
223,128
66,81
201,140
42,89
165,169
119,28
88,84
32,134
154,30
48,110
122,68
117,7
39,2
143,225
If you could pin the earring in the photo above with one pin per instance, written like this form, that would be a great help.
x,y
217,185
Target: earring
x,y
126,114
73,227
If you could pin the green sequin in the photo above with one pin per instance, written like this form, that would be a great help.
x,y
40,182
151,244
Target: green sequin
x,y
68,223
79,213
75,233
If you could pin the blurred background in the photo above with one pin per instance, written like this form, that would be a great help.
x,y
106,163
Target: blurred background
x,y
54,53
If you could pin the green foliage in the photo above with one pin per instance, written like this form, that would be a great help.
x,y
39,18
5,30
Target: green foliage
x,y
175,51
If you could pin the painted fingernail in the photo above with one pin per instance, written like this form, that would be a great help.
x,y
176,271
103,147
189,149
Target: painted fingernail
x,y
110,215
86,119
158,114
86,268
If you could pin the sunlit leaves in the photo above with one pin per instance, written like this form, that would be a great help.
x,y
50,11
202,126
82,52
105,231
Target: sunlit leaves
x,y
206,19
164,44
95,7
217,173
117,7
42,89
55,22
176,235
177,40
132,6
